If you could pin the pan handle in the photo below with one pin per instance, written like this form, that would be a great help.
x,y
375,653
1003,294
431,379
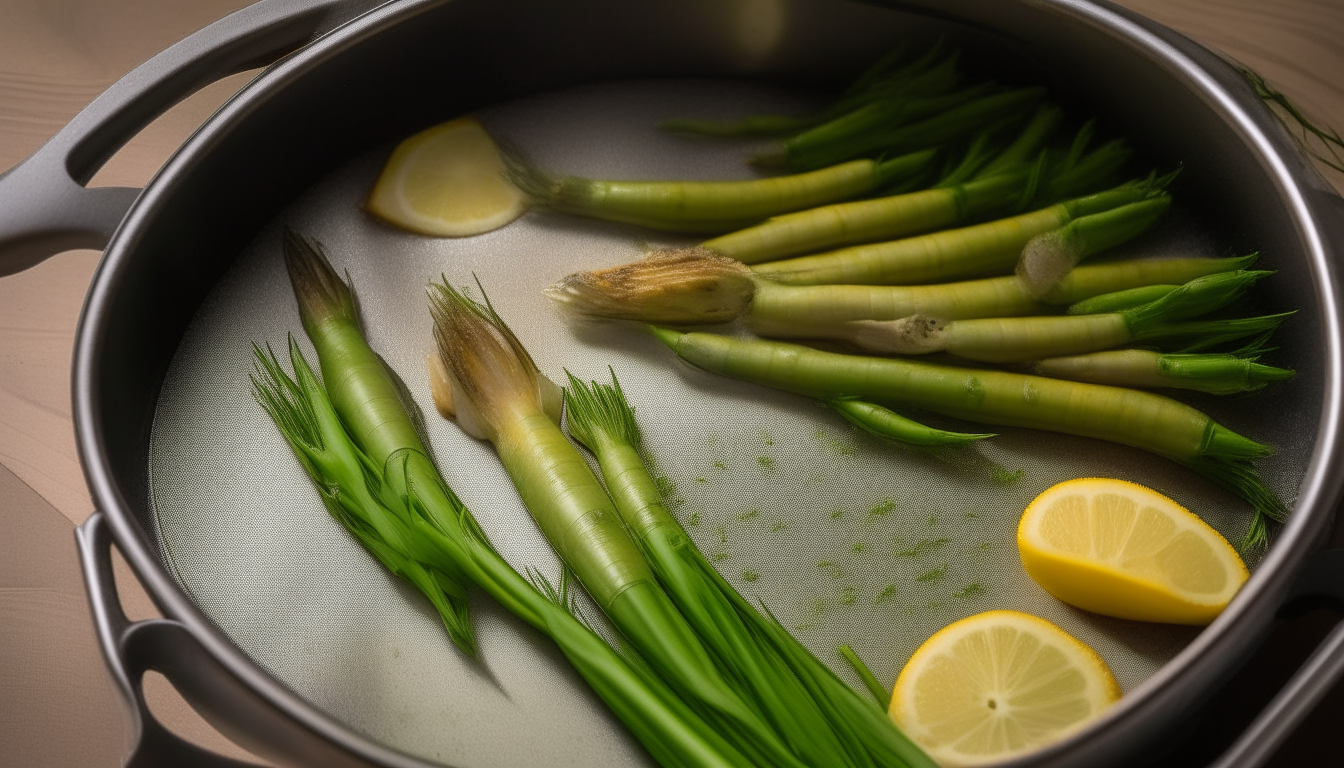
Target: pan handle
x,y
1322,577
44,205
171,648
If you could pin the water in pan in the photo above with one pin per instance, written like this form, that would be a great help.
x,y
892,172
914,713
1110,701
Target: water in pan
x,y
845,538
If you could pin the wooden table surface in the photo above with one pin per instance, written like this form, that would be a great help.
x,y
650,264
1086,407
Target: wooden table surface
x,y
57,706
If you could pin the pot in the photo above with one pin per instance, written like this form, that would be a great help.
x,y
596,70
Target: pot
x,y
348,78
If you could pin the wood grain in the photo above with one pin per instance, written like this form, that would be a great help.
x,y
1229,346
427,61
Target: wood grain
x,y
56,705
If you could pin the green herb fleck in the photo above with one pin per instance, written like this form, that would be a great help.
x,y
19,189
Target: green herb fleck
x,y
1005,477
719,556
922,546
972,515
701,480
665,486
848,595
767,463
695,519
722,533
970,590
883,507
720,465
886,594
985,546
835,445
750,575
933,519
933,575
767,437
749,514
859,546
836,514
779,525
825,564
818,607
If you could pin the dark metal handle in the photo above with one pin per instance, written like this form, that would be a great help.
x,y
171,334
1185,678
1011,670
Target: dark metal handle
x,y
1323,576
132,649
170,647
44,206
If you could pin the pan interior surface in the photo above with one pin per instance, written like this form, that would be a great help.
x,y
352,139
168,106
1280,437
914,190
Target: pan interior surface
x,y
847,540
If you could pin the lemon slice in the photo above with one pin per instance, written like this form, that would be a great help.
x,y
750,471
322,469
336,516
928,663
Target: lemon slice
x,y
998,684
447,181
1120,549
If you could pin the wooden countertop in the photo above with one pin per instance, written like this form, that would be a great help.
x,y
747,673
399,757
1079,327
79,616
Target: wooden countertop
x,y
57,706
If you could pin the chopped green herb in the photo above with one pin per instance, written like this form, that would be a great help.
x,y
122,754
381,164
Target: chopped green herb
x,y
700,480
665,486
779,525
848,595
818,607
719,556
972,515
933,575
719,465
970,590
695,519
722,533
933,519
886,594
750,575
859,546
985,546
825,564
749,514
922,546
1005,477
766,462
836,514
767,437
883,507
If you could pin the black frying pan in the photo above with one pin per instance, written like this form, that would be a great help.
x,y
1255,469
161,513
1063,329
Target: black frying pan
x,y
348,83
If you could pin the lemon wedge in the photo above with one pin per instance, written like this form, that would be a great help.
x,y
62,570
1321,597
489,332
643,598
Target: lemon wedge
x,y
447,181
998,684
1120,549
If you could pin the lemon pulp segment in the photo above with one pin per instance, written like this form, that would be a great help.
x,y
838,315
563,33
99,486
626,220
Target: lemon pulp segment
x,y
1120,549
998,684
447,181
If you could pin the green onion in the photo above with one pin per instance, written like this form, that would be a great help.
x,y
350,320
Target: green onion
x,y
694,286
998,187
601,420
1218,374
493,378
889,127
982,249
809,713
365,393
407,518
1018,339
889,425
711,207
1118,301
1047,257
1130,417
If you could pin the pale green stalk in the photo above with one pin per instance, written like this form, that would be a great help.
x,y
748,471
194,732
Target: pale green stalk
x,y
1218,374
982,249
412,523
1130,417
494,380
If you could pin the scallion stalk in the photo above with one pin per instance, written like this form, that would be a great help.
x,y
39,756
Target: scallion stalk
x,y
493,377
1130,417
982,249
1218,374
